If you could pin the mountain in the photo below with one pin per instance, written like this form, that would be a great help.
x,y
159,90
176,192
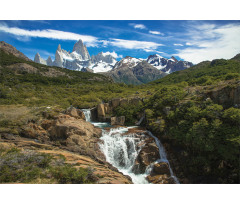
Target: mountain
x,y
102,62
12,50
131,70
168,65
79,59
40,60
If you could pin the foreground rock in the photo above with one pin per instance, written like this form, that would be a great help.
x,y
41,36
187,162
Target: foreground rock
x,y
103,172
70,131
160,174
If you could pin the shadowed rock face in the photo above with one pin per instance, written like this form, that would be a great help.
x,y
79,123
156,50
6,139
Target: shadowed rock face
x,y
147,155
12,50
226,96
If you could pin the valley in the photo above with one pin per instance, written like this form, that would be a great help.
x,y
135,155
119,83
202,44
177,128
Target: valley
x,y
189,118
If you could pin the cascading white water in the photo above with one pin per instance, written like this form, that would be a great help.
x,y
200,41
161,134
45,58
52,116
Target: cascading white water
x,y
121,149
87,114
163,156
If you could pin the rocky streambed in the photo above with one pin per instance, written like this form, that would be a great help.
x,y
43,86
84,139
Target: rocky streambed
x,y
135,152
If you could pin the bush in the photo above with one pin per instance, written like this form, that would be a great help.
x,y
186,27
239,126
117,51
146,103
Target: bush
x,y
27,166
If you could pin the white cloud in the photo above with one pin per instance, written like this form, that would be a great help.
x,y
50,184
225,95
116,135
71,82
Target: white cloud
x,y
138,26
188,44
49,33
113,54
175,44
134,44
210,42
155,32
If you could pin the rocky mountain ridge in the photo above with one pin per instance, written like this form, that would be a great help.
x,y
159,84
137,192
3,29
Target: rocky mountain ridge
x,y
168,65
130,70
79,59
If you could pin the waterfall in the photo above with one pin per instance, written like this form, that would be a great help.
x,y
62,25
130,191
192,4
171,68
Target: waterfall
x,y
163,156
87,113
121,149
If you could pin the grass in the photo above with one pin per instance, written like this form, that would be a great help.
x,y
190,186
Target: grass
x,y
17,166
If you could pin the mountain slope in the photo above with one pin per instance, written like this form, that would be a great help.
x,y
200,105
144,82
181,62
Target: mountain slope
x,y
130,70
204,73
168,65
12,50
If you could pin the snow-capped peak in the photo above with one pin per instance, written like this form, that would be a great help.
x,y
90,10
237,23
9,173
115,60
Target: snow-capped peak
x,y
127,62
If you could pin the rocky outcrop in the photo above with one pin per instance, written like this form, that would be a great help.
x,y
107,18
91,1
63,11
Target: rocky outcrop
x,y
77,134
20,68
226,96
104,111
12,50
147,155
70,130
160,174
76,113
161,168
104,173
118,120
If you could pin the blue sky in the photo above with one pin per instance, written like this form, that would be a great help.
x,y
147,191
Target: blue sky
x,y
194,41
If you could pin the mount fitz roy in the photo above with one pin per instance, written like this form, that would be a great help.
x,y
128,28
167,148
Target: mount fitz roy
x,y
79,59
128,70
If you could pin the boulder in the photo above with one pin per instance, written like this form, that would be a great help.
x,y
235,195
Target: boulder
x,y
101,110
107,108
34,131
160,169
147,155
160,179
77,135
118,120
76,113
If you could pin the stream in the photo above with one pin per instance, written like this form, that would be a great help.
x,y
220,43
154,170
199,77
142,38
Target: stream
x,y
121,149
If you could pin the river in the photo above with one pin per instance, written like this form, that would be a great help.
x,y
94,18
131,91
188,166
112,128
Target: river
x,y
121,149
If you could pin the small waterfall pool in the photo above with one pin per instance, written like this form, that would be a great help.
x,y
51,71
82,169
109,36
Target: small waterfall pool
x,y
121,149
